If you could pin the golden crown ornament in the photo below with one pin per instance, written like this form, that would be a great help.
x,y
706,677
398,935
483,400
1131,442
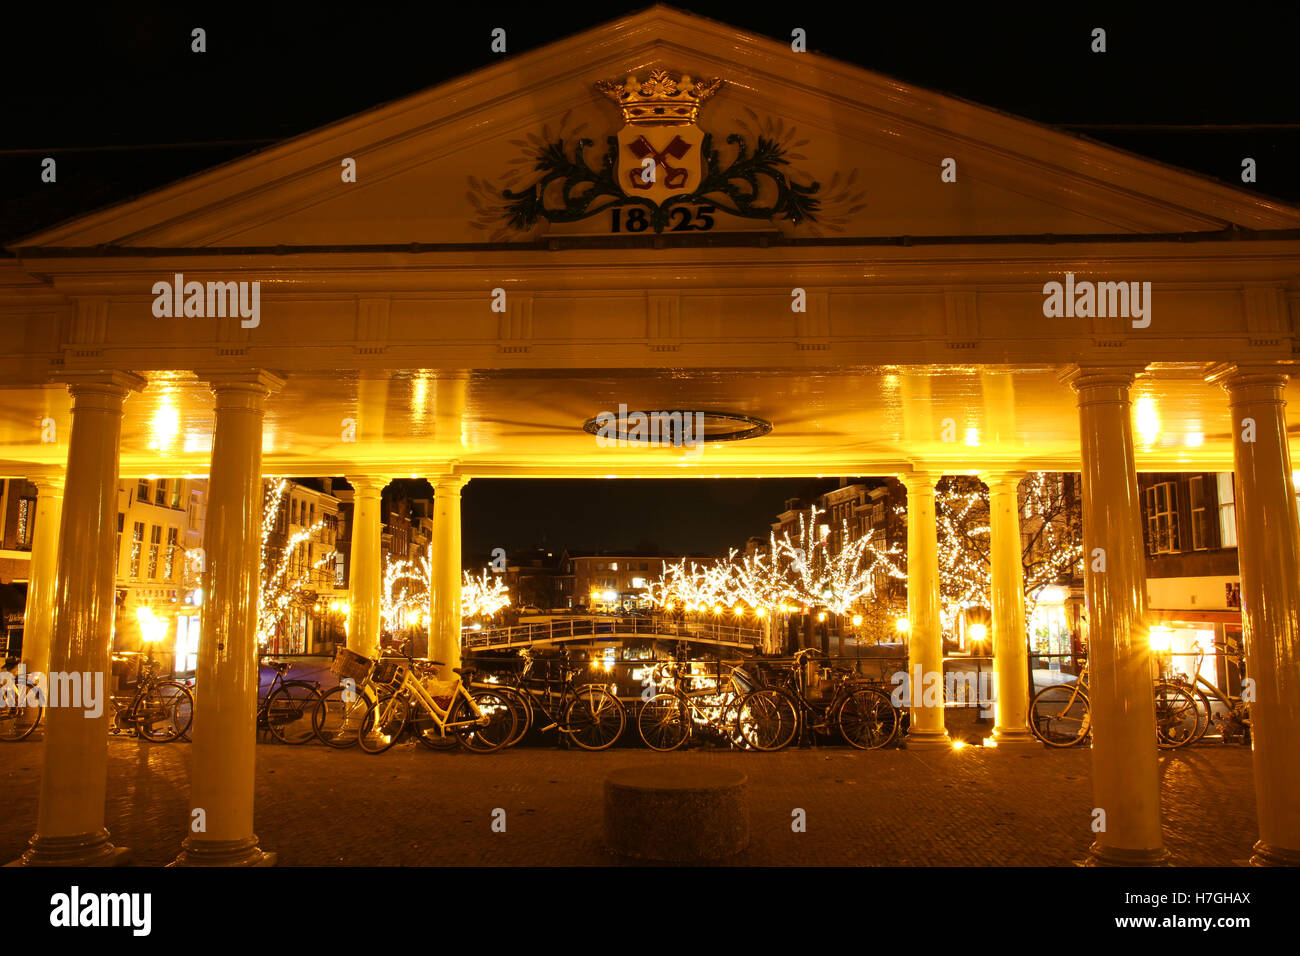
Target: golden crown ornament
x,y
660,100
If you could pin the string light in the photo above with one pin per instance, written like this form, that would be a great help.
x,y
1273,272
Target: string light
x,y
282,589
809,572
406,593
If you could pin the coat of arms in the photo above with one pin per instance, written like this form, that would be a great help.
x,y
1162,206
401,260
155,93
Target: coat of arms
x,y
661,171
660,148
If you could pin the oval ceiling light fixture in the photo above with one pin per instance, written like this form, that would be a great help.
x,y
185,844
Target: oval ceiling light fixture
x,y
673,427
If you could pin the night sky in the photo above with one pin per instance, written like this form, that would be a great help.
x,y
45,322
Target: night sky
x,y
116,96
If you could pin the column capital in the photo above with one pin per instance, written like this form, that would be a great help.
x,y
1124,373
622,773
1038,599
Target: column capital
x,y
1231,375
368,484
1006,480
109,382
254,379
448,484
1100,375
49,485
920,482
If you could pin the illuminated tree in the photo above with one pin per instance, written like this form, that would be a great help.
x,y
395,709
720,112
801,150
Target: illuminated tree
x,y
1051,539
483,596
790,575
288,581
406,593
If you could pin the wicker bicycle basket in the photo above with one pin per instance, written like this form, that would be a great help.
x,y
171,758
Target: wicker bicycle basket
x,y
349,665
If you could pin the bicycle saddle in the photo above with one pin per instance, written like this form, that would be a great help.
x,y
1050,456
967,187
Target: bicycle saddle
x,y
279,666
465,673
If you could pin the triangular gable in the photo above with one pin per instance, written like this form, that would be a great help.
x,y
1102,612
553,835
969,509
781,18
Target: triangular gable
x,y
868,150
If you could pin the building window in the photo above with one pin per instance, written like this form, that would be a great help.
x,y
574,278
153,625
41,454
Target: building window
x,y
1200,505
1162,518
137,543
142,491
170,560
1227,511
338,570
155,539
121,521
312,519
176,493
26,516
160,492
293,511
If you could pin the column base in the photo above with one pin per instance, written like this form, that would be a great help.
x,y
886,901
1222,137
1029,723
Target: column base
x,y
82,849
1266,855
927,740
223,853
1015,740
1099,855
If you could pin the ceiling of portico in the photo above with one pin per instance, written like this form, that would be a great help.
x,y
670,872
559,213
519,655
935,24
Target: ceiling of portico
x,y
503,424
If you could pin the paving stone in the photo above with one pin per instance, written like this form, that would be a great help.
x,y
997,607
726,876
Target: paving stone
x,y
411,806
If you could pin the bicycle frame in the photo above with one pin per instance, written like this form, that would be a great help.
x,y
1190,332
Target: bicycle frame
x,y
426,701
722,693
547,699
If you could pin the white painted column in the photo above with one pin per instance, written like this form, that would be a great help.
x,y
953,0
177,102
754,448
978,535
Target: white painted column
x,y
1125,784
70,830
445,574
366,572
1268,550
925,657
44,568
226,678
1007,593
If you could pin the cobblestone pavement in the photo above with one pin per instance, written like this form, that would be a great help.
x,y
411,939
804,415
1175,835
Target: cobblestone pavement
x,y
410,806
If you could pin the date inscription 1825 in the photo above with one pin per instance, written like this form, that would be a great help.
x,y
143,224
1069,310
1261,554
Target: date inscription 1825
x,y
681,219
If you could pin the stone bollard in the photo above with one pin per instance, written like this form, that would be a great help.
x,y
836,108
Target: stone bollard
x,y
676,814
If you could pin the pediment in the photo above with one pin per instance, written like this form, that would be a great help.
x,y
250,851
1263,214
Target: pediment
x,y
818,148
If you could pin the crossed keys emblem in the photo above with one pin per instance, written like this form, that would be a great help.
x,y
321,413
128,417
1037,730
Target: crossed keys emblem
x,y
674,178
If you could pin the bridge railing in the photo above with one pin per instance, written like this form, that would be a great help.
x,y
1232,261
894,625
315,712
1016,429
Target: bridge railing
x,y
571,628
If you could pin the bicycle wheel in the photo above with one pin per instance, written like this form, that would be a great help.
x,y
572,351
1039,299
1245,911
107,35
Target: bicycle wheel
x,y
769,719
500,726
338,715
866,719
289,712
20,713
664,722
729,723
594,718
1177,717
165,713
1060,715
523,712
1205,713
428,732
383,723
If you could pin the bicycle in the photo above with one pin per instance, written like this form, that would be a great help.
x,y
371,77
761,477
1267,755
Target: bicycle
x,y
671,717
337,718
159,711
1236,721
1061,715
589,715
20,704
481,722
772,717
289,706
